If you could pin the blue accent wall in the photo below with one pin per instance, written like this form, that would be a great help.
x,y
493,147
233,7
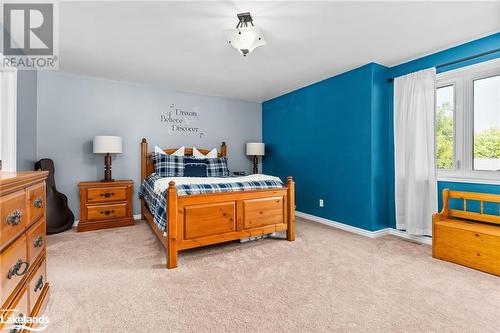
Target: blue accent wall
x,y
335,137
323,135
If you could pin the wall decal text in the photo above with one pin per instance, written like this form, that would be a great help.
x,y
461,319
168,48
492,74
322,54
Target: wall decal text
x,y
182,121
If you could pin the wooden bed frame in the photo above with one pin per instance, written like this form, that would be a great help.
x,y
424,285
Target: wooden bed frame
x,y
203,219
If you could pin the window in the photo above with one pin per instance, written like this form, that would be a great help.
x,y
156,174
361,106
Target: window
x,y
468,122
487,123
445,128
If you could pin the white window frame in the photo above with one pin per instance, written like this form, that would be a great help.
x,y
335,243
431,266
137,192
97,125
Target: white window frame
x,y
8,121
463,81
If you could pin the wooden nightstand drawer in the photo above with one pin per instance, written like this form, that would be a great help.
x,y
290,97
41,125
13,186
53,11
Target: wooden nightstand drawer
x,y
105,204
106,194
106,212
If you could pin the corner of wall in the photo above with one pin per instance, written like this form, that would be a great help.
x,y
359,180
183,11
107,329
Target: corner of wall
x,y
380,157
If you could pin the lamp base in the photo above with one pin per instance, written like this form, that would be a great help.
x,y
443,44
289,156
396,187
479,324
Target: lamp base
x,y
255,164
107,169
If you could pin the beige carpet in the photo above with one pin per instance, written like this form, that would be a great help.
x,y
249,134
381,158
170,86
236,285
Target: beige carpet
x,y
326,281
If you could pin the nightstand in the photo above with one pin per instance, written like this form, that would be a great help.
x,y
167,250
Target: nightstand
x,y
105,204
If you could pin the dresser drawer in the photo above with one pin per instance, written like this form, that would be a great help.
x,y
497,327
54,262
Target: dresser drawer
x,y
36,202
13,267
36,284
13,216
105,212
36,240
20,304
101,194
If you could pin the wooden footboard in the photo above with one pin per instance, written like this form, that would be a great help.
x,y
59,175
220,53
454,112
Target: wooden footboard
x,y
203,219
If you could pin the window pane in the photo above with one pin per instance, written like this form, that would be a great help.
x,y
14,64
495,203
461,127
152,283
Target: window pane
x,y
445,127
487,123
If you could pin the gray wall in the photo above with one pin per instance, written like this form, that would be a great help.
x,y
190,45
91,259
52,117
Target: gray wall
x,y
26,119
72,109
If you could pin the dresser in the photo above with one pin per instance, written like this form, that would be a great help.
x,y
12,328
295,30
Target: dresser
x,y
105,204
23,272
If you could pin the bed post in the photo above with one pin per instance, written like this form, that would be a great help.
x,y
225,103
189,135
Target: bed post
x,y
144,156
172,226
223,149
290,231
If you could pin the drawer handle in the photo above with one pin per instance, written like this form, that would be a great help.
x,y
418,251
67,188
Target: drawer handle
x,y
18,323
107,194
38,202
38,242
39,284
14,270
14,218
106,212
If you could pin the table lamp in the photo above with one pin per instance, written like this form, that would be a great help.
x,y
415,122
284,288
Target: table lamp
x,y
105,144
255,149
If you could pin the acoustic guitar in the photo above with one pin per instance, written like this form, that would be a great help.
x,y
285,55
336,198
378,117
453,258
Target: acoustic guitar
x,y
59,216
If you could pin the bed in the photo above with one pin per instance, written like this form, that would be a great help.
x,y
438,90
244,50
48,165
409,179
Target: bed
x,y
199,215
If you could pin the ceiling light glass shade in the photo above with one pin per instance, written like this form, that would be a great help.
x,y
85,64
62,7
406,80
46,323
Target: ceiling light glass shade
x,y
245,40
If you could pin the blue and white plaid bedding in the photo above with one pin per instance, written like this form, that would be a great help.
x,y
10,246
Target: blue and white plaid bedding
x,y
157,202
217,167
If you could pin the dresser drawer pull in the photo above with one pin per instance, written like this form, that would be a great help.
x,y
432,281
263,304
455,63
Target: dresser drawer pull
x,y
14,218
39,284
38,242
18,324
38,202
107,194
106,212
14,270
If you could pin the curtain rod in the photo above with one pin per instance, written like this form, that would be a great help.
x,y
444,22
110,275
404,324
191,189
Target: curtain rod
x,y
462,60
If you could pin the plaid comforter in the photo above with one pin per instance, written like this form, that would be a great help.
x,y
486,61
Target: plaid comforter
x,y
157,202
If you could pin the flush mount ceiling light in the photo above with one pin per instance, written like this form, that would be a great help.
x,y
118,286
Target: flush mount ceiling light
x,y
245,38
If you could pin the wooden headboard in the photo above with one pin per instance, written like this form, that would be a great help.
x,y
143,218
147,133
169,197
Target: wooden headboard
x,y
147,164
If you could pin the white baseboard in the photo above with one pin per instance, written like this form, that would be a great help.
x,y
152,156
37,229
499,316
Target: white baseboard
x,y
419,239
363,232
136,217
346,227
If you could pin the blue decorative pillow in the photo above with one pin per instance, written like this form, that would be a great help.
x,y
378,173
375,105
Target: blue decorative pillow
x,y
217,167
195,167
169,165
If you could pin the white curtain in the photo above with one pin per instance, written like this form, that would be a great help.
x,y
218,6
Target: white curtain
x,y
8,116
415,167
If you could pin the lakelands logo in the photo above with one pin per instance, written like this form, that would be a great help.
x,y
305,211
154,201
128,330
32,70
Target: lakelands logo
x,y
29,35
14,321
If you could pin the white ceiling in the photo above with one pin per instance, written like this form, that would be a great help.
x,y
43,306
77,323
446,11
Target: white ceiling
x,y
181,45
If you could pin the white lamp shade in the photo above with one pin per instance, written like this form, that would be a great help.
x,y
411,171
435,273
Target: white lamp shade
x,y
105,144
255,149
245,40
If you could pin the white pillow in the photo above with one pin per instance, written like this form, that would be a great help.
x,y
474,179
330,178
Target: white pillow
x,y
178,152
210,154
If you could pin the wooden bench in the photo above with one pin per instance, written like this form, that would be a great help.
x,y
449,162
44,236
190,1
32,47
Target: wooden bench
x,y
469,238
